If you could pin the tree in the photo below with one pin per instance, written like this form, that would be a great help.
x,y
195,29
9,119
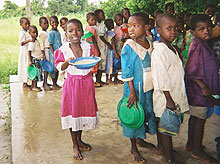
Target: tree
x,y
9,9
37,7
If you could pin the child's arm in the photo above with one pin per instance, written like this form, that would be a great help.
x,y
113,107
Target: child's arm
x,y
205,90
132,99
66,63
170,103
107,43
114,47
51,48
44,56
29,58
26,41
96,46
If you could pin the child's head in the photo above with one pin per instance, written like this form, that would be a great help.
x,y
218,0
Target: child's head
x,y
63,22
210,10
151,23
167,27
216,19
180,25
91,19
201,26
118,18
100,15
33,31
54,22
24,23
109,24
187,18
43,22
157,12
169,8
74,31
126,14
138,25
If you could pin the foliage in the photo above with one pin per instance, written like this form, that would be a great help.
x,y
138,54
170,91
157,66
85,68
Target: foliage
x,y
37,7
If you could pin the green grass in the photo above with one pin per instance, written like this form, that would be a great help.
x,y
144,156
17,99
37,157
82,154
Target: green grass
x,y
9,48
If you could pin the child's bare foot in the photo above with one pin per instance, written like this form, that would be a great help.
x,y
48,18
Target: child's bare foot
x,y
189,148
77,154
37,89
160,151
56,87
46,87
84,146
135,155
203,156
26,87
142,143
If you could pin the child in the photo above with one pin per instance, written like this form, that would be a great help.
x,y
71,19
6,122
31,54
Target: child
x,y
168,80
24,39
156,35
135,59
150,35
126,14
169,8
91,20
78,89
201,82
102,43
63,22
34,57
44,45
110,37
55,43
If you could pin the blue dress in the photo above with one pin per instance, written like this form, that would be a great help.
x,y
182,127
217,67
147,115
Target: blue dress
x,y
132,68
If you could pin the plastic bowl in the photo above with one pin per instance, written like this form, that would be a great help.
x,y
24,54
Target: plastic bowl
x,y
78,65
32,72
47,66
87,34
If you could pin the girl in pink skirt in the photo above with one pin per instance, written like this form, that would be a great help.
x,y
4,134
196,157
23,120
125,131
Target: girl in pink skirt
x,y
79,108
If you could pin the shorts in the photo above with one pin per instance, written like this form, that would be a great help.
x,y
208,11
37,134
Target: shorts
x,y
102,63
200,112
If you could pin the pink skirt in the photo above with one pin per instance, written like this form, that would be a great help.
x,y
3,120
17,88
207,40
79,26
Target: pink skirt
x,y
79,109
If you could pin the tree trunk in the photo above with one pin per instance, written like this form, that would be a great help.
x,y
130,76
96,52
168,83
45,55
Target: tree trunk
x,y
28,9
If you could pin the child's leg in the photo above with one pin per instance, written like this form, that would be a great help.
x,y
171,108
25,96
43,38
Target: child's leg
x,y
143,143
77,153
189,144
135,153
55,86
34,86
45,85
82,145
107,79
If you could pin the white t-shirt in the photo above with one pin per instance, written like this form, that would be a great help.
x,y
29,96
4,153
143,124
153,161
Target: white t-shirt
x,y
34,47
43,39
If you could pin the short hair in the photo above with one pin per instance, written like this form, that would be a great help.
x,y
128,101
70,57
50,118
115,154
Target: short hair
x,y
199,18
32,27
125,9
118,15
157,12
210,6
55,18
108,22
161,17
169,5
75,21
97,11
63,18
144,17
89,15
41,19
22,19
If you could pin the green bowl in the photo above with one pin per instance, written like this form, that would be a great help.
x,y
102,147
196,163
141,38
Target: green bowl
x,y
32,72
87,34
132,118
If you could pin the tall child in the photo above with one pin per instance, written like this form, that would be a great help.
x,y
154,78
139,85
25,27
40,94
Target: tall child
x,y
168,80
77,114
135,59
44,45
34,57
201,82
24,39
55,43
102,43
63,22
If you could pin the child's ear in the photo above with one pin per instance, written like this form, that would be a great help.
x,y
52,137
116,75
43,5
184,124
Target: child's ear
x,y
158,30
192,32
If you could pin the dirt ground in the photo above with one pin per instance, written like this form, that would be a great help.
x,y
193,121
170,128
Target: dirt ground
x,y
43,141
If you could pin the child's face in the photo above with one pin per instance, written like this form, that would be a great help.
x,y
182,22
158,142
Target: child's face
x,y
170,10
74,32
168,30
118,20
136,27
92,21
101,16
44,25
25,24
210,11
62,24
126,14
33,32
54,24
203,30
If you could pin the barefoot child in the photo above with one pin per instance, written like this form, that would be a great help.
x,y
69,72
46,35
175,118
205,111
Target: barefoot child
x,y
34,57
79,110
24,39
44,45
55,43
201,82
168,80
63,22
135,59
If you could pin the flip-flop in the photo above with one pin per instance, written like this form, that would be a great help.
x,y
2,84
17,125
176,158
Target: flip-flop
x,y
199,158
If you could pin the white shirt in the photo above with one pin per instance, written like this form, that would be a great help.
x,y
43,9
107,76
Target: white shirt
x,y
63,37
23,36
168,75
34,47
67,53
43,39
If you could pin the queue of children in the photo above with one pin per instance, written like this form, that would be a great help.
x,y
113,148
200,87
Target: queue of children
x,y
152,64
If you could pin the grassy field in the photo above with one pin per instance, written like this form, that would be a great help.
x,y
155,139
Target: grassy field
x,y
9,48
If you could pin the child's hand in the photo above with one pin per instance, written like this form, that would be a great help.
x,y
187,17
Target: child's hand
x,y
44,57
32,40
132,99
170,104
206,92
30,63
68,60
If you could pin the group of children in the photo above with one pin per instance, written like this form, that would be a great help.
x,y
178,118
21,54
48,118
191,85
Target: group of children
x,y
153,73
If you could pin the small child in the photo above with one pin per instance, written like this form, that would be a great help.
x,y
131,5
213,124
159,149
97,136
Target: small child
x,y
102,43
150,34
168,80
91,20
169,8
24,39
77,114
34,57
126,14
44,45
55,43
63,22
135,59
156,35
201,82
110,37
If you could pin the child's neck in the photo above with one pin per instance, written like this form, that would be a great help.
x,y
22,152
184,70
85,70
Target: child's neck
x,y
55,29
24,29
143,42
44,30
169,45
